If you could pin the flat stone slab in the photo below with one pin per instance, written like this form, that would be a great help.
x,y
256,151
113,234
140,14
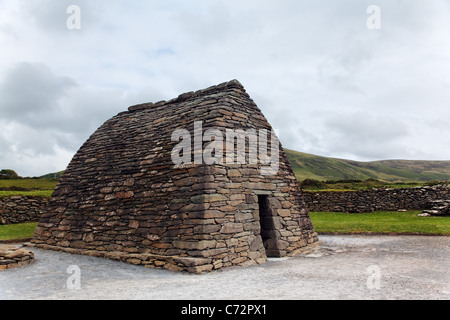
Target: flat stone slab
x,y
14,257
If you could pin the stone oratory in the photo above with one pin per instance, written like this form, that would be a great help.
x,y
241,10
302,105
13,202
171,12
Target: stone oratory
x,y
124,196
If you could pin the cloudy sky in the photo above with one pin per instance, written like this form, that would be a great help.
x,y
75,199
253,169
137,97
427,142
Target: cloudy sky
x,y
329,83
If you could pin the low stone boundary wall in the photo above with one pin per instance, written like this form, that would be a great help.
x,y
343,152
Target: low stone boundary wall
x,y
21,209
438,208
15,258
418,198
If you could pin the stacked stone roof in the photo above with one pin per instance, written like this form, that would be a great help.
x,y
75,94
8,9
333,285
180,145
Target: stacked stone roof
x,y
122,197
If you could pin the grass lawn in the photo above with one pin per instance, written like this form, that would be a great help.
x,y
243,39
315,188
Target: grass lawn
x,y
379,222
17,231
27,187
28,184
35,193
324,222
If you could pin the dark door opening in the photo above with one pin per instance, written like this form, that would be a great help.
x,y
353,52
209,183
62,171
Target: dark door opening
x,y
268,231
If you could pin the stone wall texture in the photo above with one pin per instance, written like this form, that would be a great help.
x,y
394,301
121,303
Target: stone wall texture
x,y
21,209
419,198
11,258
123,198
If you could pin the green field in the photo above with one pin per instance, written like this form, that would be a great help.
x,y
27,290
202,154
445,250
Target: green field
x,y
308,166
28,183
349,185
383,222
34,193
27,187
17,231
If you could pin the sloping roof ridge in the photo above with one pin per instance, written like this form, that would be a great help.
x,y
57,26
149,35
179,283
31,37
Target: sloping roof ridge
x,y
220,87
190,95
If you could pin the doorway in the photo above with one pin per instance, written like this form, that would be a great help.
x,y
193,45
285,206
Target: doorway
x,y
268,230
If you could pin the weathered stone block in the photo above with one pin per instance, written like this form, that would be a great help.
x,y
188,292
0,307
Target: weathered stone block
x,y
195,245
201,269
284,212
232,228
208,198
192,262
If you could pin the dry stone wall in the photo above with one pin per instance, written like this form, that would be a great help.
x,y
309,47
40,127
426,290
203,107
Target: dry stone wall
x,y
122,197
15,258
21,209
438,208
418,198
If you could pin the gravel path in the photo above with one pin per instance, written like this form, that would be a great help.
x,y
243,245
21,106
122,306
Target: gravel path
x,y
344,267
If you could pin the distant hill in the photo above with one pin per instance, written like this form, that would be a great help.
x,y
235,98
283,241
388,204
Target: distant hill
x,y
308,166
55,175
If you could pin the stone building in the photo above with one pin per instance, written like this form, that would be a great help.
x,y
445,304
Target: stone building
x,y
124,197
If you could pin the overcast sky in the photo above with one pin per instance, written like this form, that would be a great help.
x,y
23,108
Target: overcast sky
x,y
329,83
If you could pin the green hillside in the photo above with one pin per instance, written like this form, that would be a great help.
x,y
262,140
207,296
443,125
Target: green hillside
x,y
27,187
55,175
308,166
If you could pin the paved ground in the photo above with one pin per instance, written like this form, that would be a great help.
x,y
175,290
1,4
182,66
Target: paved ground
x,y
345,267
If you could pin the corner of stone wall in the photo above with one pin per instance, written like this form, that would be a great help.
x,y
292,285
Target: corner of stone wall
x,y
15,258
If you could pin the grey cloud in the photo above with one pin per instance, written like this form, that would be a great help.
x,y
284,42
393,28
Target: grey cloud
x,y
367,126
87,108
41,110
215,23
51,15
4,148
31,141
342,70
30,94
300,139
365,136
